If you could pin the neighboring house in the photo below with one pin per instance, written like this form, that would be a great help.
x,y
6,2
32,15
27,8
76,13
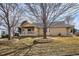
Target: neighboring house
x,y
2,31
76,32
55,29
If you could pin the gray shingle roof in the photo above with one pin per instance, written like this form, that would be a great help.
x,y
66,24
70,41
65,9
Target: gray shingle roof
x,y
54,24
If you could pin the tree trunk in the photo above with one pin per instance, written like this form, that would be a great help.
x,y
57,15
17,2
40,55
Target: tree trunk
x,y
44,18
13,32
44,32
9,29
67,31
8,24
9,33
44,26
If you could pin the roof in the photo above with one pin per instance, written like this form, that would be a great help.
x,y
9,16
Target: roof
x,y
54,24
25,24
60,24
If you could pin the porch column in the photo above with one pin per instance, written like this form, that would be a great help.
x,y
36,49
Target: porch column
x,y
67,30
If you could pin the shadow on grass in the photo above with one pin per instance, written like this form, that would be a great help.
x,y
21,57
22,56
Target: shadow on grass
x,y
29,47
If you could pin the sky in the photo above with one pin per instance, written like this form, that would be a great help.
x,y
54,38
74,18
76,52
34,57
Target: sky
x,y
76,17
76,21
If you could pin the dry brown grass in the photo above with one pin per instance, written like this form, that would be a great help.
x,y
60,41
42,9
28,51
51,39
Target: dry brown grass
x,y
57,46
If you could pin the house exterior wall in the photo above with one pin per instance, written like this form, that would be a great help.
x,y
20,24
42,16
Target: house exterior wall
x,y
57,31
24,32
0,34
50,31
40,31
53,31
36,31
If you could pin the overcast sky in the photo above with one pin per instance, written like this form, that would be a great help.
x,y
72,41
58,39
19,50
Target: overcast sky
x,y
76,17
76,21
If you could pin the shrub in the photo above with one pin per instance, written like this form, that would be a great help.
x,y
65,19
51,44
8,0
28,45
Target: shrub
x,y
16,34
59,34
5,36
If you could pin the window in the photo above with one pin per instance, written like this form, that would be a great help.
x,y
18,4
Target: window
x,y
29,29
71,31
3,32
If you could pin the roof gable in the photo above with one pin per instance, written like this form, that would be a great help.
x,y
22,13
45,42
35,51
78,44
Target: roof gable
x,y
40,25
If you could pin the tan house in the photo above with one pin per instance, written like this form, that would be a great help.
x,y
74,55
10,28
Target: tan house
x,y
55,29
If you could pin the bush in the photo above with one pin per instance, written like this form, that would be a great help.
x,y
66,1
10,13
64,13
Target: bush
x,y
59,34
16,34
5,36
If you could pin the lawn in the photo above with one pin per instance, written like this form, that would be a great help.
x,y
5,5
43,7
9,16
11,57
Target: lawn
x,y
58,46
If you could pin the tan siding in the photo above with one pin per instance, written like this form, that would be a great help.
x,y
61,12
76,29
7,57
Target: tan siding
x,y
36,31
40,31
50,31
56,31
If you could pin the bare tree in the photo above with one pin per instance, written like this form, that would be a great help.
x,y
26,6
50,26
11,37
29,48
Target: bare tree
x,y
16,17
10,14
47,13
69,19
